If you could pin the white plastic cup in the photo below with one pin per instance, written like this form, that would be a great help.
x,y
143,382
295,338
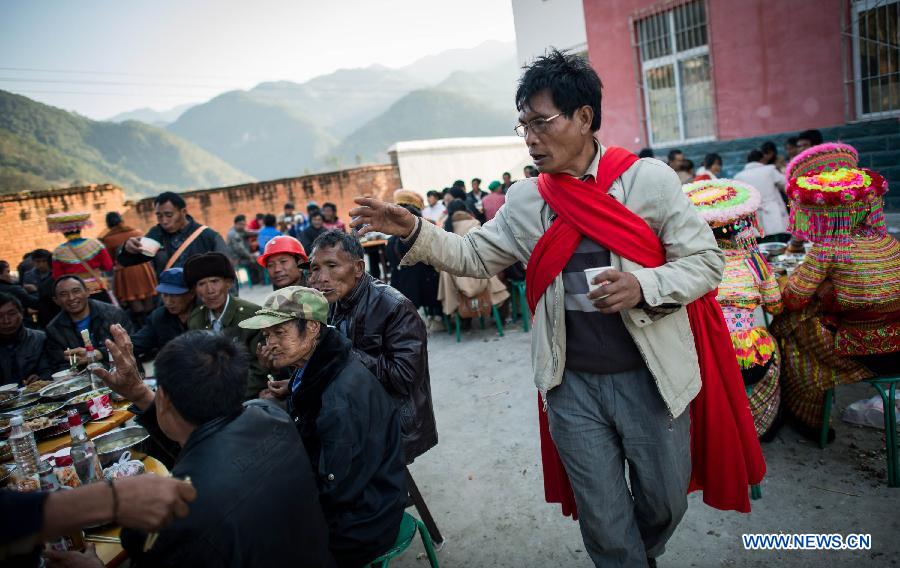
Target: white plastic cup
x,y
590,273
149,246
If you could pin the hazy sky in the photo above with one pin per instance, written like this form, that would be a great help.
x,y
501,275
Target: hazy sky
x,y
102,57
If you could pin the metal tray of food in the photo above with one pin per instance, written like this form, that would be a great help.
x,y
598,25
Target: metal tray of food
x,y
20,401
37,386
80,402
36,411
112,445
6,473
67,389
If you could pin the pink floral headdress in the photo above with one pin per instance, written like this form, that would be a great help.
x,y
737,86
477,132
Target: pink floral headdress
x,y
824,157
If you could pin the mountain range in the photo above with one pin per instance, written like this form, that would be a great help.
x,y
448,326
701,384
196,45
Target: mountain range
x,y
275,129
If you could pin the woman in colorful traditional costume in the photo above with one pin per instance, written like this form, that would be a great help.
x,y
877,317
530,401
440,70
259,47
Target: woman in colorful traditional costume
x,y
730,207
842,319
134,286
83,257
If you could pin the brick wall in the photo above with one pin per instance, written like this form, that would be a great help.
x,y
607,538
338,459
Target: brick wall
x,y
23,216
23,225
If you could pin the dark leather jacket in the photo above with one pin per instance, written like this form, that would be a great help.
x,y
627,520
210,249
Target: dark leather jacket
x,y
62,333
207,241
351,431
390,339
23,356
257,502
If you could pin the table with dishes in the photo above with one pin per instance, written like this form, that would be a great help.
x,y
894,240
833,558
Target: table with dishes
x,y
121,446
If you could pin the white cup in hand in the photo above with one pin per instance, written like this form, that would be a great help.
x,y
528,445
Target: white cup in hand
x,y
590,273
149,246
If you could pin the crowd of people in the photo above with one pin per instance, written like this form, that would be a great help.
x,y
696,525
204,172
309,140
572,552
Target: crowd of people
x,y
324,389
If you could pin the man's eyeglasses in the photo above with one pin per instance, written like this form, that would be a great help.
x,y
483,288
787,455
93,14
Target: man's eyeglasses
x,y
538,125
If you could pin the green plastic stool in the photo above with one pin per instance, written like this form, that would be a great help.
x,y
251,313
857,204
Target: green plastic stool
x,y
497,321
519,304
407,533
887,389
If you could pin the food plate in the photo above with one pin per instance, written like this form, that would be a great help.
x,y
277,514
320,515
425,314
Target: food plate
x,y
5,451
37,386
5,473
36,411
20,401
67,389
81,401
54,425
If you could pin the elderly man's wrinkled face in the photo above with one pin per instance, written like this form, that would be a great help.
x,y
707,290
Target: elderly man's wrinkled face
x,y
71,296
334,272
10,319
556,145
289,346
213,292
283,271
178,303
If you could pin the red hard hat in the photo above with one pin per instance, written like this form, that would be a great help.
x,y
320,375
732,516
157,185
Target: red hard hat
x,y
283,244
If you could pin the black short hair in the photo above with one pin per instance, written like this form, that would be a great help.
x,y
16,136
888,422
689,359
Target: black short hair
x,y
204,375
329,204
459,183
348,241
310,207
10,299
260,216
646,153
571,80
476,180
113,219
458,193
813,135
269,220
67,277
454,207
792,141
170,197
289,205
710,160
674,152
41,254
3,265
316,213
687,165
754,155
239,218
769,146
433,193
506,174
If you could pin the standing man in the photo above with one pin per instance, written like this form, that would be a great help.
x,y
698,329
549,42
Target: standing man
x,y
387,335
40,272
22,358
78,313
507,182
167,321
268,232
239,248
676,159
435,210
179,234
495,200
617,366
772,213
474,201
211,276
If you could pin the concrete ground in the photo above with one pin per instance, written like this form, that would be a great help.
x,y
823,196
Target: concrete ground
x,y
483,481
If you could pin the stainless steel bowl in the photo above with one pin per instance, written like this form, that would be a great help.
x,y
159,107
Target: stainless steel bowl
x,y
771,250
67,389
112,445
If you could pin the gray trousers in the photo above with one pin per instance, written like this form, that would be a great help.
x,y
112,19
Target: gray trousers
x,y
599,422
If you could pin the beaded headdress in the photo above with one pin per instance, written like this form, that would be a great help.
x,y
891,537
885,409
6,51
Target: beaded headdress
x,y
729,207
829,207
68,222
822,158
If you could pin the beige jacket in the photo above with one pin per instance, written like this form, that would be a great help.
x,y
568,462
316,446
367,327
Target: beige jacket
x,y
450,286
694,267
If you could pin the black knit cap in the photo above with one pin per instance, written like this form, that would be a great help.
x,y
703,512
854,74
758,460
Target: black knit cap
x,y
207,265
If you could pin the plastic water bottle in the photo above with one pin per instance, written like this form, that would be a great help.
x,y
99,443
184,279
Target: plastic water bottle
x,y
24,449
93,365
83,452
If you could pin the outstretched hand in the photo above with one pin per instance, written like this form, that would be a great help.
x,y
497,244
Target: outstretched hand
x,y
124,376
375,215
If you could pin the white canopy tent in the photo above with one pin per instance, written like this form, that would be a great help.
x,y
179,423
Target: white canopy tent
x,y
434,164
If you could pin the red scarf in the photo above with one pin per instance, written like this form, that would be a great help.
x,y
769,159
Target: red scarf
x,y
725,453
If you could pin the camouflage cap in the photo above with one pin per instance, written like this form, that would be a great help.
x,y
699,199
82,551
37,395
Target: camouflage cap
x,y
293,302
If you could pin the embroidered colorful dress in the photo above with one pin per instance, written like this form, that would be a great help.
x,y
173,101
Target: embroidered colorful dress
x,y
68,257
842,319
730,209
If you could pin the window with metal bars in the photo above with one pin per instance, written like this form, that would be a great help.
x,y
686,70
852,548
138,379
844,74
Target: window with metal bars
x,y
677,80
876,57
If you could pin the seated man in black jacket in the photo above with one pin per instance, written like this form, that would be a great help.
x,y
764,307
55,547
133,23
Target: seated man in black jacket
x,y
78,313
349,425
167,321
21,349
257,503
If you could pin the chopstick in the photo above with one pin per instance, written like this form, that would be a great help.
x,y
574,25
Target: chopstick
x,y
151,538
103,539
